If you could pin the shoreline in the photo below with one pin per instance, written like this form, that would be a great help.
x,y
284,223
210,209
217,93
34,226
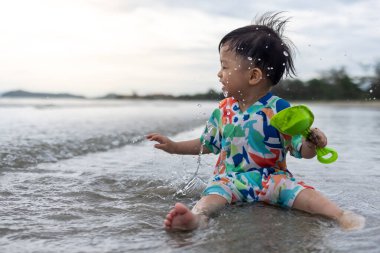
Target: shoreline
x,y
357,103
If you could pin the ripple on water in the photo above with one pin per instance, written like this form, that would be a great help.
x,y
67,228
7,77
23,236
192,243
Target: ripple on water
x,y
89,196
6,194
63,217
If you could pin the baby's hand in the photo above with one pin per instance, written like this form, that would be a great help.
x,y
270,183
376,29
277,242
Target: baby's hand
x,y
317,137
164,143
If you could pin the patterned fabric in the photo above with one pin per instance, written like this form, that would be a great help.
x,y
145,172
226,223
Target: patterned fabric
x,y
250,151
275,188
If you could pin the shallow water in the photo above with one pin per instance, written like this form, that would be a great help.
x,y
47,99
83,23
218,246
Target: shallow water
x,y
76,176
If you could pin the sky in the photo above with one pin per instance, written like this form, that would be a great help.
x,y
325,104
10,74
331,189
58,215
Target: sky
x,y
96,47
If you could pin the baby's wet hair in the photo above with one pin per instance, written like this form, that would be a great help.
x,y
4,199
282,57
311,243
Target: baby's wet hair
x,y
263,44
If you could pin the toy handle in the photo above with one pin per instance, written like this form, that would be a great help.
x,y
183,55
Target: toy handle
x,y
326,155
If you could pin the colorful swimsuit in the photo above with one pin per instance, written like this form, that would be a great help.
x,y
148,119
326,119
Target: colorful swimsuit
x,y
252,154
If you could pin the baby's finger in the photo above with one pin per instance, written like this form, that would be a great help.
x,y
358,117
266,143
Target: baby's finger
x,y
150,135
155,137
312,138
160,146
322,141
319,137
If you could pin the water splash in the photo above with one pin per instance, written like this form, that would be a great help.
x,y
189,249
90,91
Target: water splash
x,y
195,182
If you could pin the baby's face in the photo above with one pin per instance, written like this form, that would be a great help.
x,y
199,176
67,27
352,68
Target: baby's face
x,y
234,74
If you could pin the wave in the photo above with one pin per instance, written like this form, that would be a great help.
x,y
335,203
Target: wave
x,y
29,136
21,157
45,151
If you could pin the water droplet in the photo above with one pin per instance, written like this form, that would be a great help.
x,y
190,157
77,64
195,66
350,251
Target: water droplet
x,y
257,28
266,46
282,44
199,105
225,93
259,59
229,73
268,34
239,66
249,67
283,64
370,91
228,113
235,68
249,58
286,53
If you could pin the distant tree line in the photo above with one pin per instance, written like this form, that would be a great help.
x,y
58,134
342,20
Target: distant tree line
x,y
209,95
335,84
332,85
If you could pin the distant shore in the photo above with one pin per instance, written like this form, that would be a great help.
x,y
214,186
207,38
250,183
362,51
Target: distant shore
x,y
211,95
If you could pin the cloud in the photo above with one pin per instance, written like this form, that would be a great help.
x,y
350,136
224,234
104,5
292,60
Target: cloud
x,y
93,47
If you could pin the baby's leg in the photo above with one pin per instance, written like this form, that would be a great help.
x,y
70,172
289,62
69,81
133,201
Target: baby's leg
x,y
181,218
313,202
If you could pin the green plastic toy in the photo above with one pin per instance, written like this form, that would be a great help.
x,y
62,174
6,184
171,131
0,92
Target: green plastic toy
x,y
298,120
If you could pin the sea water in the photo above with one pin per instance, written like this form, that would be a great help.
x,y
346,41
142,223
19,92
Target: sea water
x,y
78,176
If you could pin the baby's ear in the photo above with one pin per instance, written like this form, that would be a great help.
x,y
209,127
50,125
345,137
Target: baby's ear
x,y
256,75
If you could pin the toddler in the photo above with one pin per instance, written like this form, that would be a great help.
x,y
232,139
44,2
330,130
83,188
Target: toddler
x,y
252,154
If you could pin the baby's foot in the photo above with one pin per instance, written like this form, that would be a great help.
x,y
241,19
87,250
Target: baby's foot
x,y
181,218
351,221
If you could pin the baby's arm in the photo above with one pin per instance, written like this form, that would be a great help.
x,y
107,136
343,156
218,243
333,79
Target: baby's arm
x,y
316,139
191,147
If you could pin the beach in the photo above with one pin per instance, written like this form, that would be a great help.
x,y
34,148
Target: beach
x,y
79,176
